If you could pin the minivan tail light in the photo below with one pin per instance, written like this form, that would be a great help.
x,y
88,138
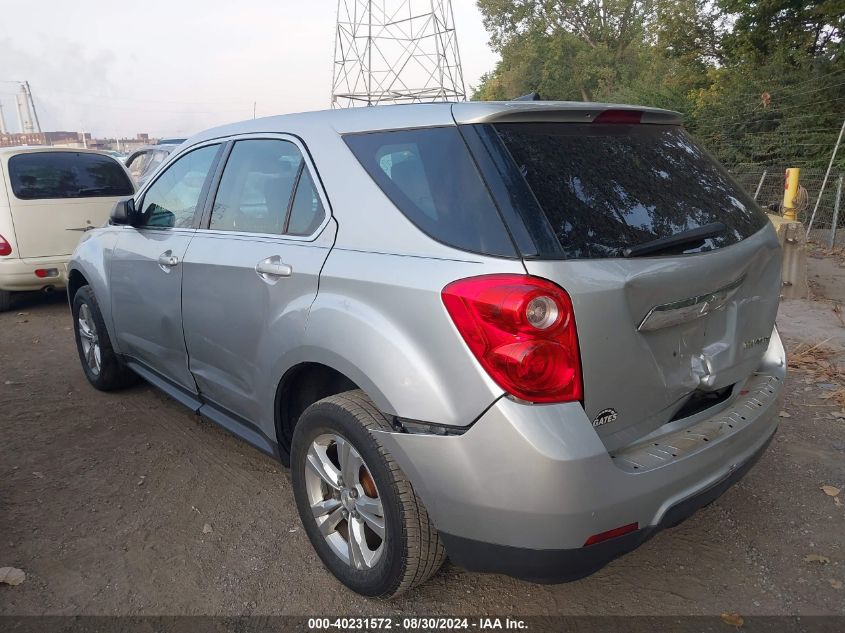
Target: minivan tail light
x,y
619,116
522,331
5,247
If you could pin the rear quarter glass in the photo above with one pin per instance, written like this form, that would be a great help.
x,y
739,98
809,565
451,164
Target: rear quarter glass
x,y
605,187
430,176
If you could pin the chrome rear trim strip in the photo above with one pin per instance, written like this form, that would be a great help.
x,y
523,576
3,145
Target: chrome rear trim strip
x,y
688,309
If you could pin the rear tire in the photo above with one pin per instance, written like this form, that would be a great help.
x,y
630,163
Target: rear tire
x,y
103,368
410,550
5,300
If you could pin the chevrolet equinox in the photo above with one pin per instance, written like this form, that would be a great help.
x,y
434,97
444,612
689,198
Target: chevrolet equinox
x,y
525,335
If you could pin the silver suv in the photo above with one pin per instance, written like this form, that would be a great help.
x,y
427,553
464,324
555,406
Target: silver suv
x,y
525,335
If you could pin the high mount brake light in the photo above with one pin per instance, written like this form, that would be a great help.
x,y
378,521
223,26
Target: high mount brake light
x,y
5,247
619,116
522,331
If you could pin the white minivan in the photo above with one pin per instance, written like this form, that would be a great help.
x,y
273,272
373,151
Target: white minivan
x,y
48,198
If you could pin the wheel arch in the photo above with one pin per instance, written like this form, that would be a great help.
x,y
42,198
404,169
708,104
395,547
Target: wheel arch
x,y
301,386
89,267
75,280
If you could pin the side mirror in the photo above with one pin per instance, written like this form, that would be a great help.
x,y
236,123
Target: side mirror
x,y
123,212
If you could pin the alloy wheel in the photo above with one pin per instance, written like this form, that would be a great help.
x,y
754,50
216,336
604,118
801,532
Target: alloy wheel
x,y
89,339
345,501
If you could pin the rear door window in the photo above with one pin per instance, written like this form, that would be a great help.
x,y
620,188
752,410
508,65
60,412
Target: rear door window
x,y
52,175
431,178
605,187
266,187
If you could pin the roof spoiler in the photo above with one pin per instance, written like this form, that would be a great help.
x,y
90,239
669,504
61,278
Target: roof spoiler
x,y
559,112
531,96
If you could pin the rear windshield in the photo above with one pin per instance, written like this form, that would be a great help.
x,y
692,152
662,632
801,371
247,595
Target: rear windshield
x,y
605,187
431,178
50,175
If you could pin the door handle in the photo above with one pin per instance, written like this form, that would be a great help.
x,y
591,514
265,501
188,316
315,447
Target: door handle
x,y
272,268
167,260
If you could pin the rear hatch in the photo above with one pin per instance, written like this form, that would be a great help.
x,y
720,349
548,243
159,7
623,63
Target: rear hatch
x,y
673,270
57,195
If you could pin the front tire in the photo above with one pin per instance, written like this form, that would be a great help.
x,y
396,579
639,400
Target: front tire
x,y
103,368
359,510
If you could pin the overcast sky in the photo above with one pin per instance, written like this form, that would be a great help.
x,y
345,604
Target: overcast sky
x,y
175,67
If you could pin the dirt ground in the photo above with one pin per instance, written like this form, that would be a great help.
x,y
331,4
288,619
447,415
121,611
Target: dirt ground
x,y
104,497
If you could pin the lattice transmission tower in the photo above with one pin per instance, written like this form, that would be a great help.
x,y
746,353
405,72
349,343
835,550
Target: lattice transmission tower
x,y
396,51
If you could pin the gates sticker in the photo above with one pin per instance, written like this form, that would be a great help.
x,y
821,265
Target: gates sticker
x,y
605,416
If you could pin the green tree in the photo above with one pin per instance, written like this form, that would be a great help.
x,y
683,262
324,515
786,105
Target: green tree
x,y
779,96
576,48
792,30
759,81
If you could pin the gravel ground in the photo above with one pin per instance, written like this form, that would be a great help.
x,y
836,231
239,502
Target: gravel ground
x,y
105,499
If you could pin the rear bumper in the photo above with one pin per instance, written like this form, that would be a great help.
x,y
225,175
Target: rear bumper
x,y
564,565
523,490
18,275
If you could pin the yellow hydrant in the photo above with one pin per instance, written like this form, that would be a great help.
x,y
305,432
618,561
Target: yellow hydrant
x,y
790,193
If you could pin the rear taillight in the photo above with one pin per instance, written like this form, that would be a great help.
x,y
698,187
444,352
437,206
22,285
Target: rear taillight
x,y
522,331
5,247
619,116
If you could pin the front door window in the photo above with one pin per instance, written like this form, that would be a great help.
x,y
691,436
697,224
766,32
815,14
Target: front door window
x,y
171,202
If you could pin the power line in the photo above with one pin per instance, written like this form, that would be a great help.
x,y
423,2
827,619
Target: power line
x,y
770,139
119,98
145,109
134,99
794,117
790,86
791,131
773,109
741,117
788,90
786,146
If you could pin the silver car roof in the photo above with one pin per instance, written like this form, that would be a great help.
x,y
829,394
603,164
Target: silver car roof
x,y
388,117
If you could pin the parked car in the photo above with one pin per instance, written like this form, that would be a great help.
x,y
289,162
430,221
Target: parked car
x,y
120,156
144,161
48,197
526,335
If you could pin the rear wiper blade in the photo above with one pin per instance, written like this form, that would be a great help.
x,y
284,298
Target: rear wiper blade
x,y
698,234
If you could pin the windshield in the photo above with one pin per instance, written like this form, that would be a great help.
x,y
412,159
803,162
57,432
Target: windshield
x,y
606,187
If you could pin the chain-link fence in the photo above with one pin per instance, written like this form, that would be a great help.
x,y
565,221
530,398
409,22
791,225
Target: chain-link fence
x,y
767,184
